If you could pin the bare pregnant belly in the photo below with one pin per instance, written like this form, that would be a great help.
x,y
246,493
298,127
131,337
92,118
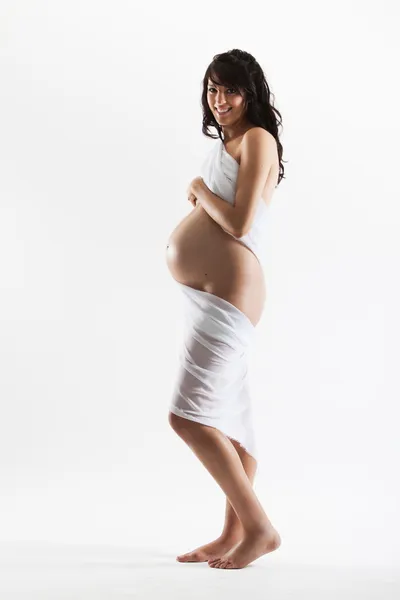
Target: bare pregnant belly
x,y
202,255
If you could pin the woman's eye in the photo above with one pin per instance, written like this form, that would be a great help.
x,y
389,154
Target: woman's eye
x,y
230,89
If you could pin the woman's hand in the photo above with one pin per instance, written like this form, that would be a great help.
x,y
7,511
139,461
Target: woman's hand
x,y
192,190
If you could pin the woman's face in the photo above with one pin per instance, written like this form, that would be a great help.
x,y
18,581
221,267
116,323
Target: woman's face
x,y
225,98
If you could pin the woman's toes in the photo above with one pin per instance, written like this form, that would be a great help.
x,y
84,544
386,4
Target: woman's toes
x,y
214,562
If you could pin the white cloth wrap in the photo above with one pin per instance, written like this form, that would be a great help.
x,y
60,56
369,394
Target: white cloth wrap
x,y
219,172
212,386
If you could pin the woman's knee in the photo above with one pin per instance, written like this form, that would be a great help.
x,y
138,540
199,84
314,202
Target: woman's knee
x,y
177,423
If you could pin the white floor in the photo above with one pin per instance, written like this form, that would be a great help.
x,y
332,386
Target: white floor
x,y
54,572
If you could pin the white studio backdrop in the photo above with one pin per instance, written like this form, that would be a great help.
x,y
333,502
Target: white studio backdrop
x,y
100,136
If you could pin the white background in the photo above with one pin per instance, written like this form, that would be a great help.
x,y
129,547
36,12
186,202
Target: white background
x,y
100,136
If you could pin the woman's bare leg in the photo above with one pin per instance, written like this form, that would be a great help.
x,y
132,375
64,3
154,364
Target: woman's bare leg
x,y
233,529
232,532
220,458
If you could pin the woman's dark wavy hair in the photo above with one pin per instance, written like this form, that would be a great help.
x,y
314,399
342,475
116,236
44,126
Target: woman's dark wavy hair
x,y
239,70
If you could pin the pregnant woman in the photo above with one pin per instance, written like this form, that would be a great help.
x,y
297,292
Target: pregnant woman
x,y
215,255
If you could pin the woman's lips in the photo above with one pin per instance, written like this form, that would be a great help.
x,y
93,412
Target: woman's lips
x,y
221,114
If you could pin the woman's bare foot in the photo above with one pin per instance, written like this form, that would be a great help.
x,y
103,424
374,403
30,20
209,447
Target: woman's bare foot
x,y
249,549
218,547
